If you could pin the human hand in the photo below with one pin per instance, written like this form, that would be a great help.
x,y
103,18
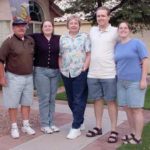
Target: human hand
x,y
9,36
3,81
84,68
143,84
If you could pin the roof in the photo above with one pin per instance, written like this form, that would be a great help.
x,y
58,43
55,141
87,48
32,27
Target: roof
x,y
56,9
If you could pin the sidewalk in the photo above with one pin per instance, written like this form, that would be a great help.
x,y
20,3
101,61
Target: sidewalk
x,y
58,141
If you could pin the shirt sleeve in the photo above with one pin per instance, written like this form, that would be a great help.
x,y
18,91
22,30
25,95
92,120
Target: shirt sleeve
x,y
87,43
4,50
142,51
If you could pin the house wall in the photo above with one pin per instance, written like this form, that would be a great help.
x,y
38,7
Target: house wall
x,y
145,37
61,28
5,19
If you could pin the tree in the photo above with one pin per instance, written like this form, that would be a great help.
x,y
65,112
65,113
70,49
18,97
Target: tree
x,y
136,12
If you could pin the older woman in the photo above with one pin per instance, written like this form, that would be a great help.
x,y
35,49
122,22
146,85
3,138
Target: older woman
x,y
74,62
131,61
46,74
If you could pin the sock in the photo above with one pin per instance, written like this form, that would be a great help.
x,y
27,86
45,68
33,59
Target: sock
x,y
25,122
14,125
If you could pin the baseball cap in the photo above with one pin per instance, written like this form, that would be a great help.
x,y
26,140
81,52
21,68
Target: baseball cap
x,y
18,21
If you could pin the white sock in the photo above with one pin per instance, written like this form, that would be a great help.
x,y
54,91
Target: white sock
x,y
25,122
14,125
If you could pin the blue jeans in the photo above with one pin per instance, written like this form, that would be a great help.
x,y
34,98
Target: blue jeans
x,y
46,83
77,91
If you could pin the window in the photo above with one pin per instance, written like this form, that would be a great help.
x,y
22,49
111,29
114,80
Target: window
x,y
36,12
37,16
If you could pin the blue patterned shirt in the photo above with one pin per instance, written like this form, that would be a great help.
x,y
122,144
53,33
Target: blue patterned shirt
x,y
73,52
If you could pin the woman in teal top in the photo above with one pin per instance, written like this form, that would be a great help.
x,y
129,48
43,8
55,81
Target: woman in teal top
x,y
131,58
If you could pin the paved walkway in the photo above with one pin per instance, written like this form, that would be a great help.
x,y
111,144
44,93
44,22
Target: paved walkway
x,y
58,141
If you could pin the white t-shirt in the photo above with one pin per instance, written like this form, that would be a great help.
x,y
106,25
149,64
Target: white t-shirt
x,y
102,63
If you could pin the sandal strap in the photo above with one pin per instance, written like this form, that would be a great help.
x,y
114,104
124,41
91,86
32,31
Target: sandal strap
x,y
114,132
113,138
92,133
127,137
96,131
99,131
136,140
132,135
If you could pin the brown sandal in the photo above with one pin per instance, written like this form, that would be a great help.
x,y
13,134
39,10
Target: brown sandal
x,y
126,138
133,141
113,138
96,131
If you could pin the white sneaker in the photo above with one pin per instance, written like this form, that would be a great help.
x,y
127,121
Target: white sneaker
x,y
74,133
14,132
47,130
82,127
55,129
27,129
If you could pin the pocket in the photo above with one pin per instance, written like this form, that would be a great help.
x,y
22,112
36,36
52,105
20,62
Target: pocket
x,y
38,70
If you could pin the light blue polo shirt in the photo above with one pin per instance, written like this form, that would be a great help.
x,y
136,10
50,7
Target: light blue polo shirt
x,y
128,58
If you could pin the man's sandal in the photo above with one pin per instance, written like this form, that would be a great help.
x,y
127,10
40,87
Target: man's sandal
x,y
126,138
96,131
113,138
133,141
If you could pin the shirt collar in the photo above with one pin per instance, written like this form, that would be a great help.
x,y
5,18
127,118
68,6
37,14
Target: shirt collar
x,y
78,34
25,37
107,29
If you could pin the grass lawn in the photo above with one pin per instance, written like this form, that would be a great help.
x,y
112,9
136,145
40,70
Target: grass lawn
x,y
60,83
147,99
61,96
145,141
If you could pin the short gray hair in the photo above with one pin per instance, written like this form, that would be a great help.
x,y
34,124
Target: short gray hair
x,y
73,17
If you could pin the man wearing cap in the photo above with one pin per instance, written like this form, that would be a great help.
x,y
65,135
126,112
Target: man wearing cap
x,y
16,54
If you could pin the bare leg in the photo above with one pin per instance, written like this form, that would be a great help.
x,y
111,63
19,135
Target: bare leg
x,y
98,109
130,117
138,121
25,110
113,114
13,114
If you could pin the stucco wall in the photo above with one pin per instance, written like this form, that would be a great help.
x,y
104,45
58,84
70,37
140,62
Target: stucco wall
x,y
5,19
5,12
145,37
60,27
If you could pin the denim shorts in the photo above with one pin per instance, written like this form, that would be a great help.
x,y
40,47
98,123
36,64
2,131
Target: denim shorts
x,y
129,94
102,89
19,90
